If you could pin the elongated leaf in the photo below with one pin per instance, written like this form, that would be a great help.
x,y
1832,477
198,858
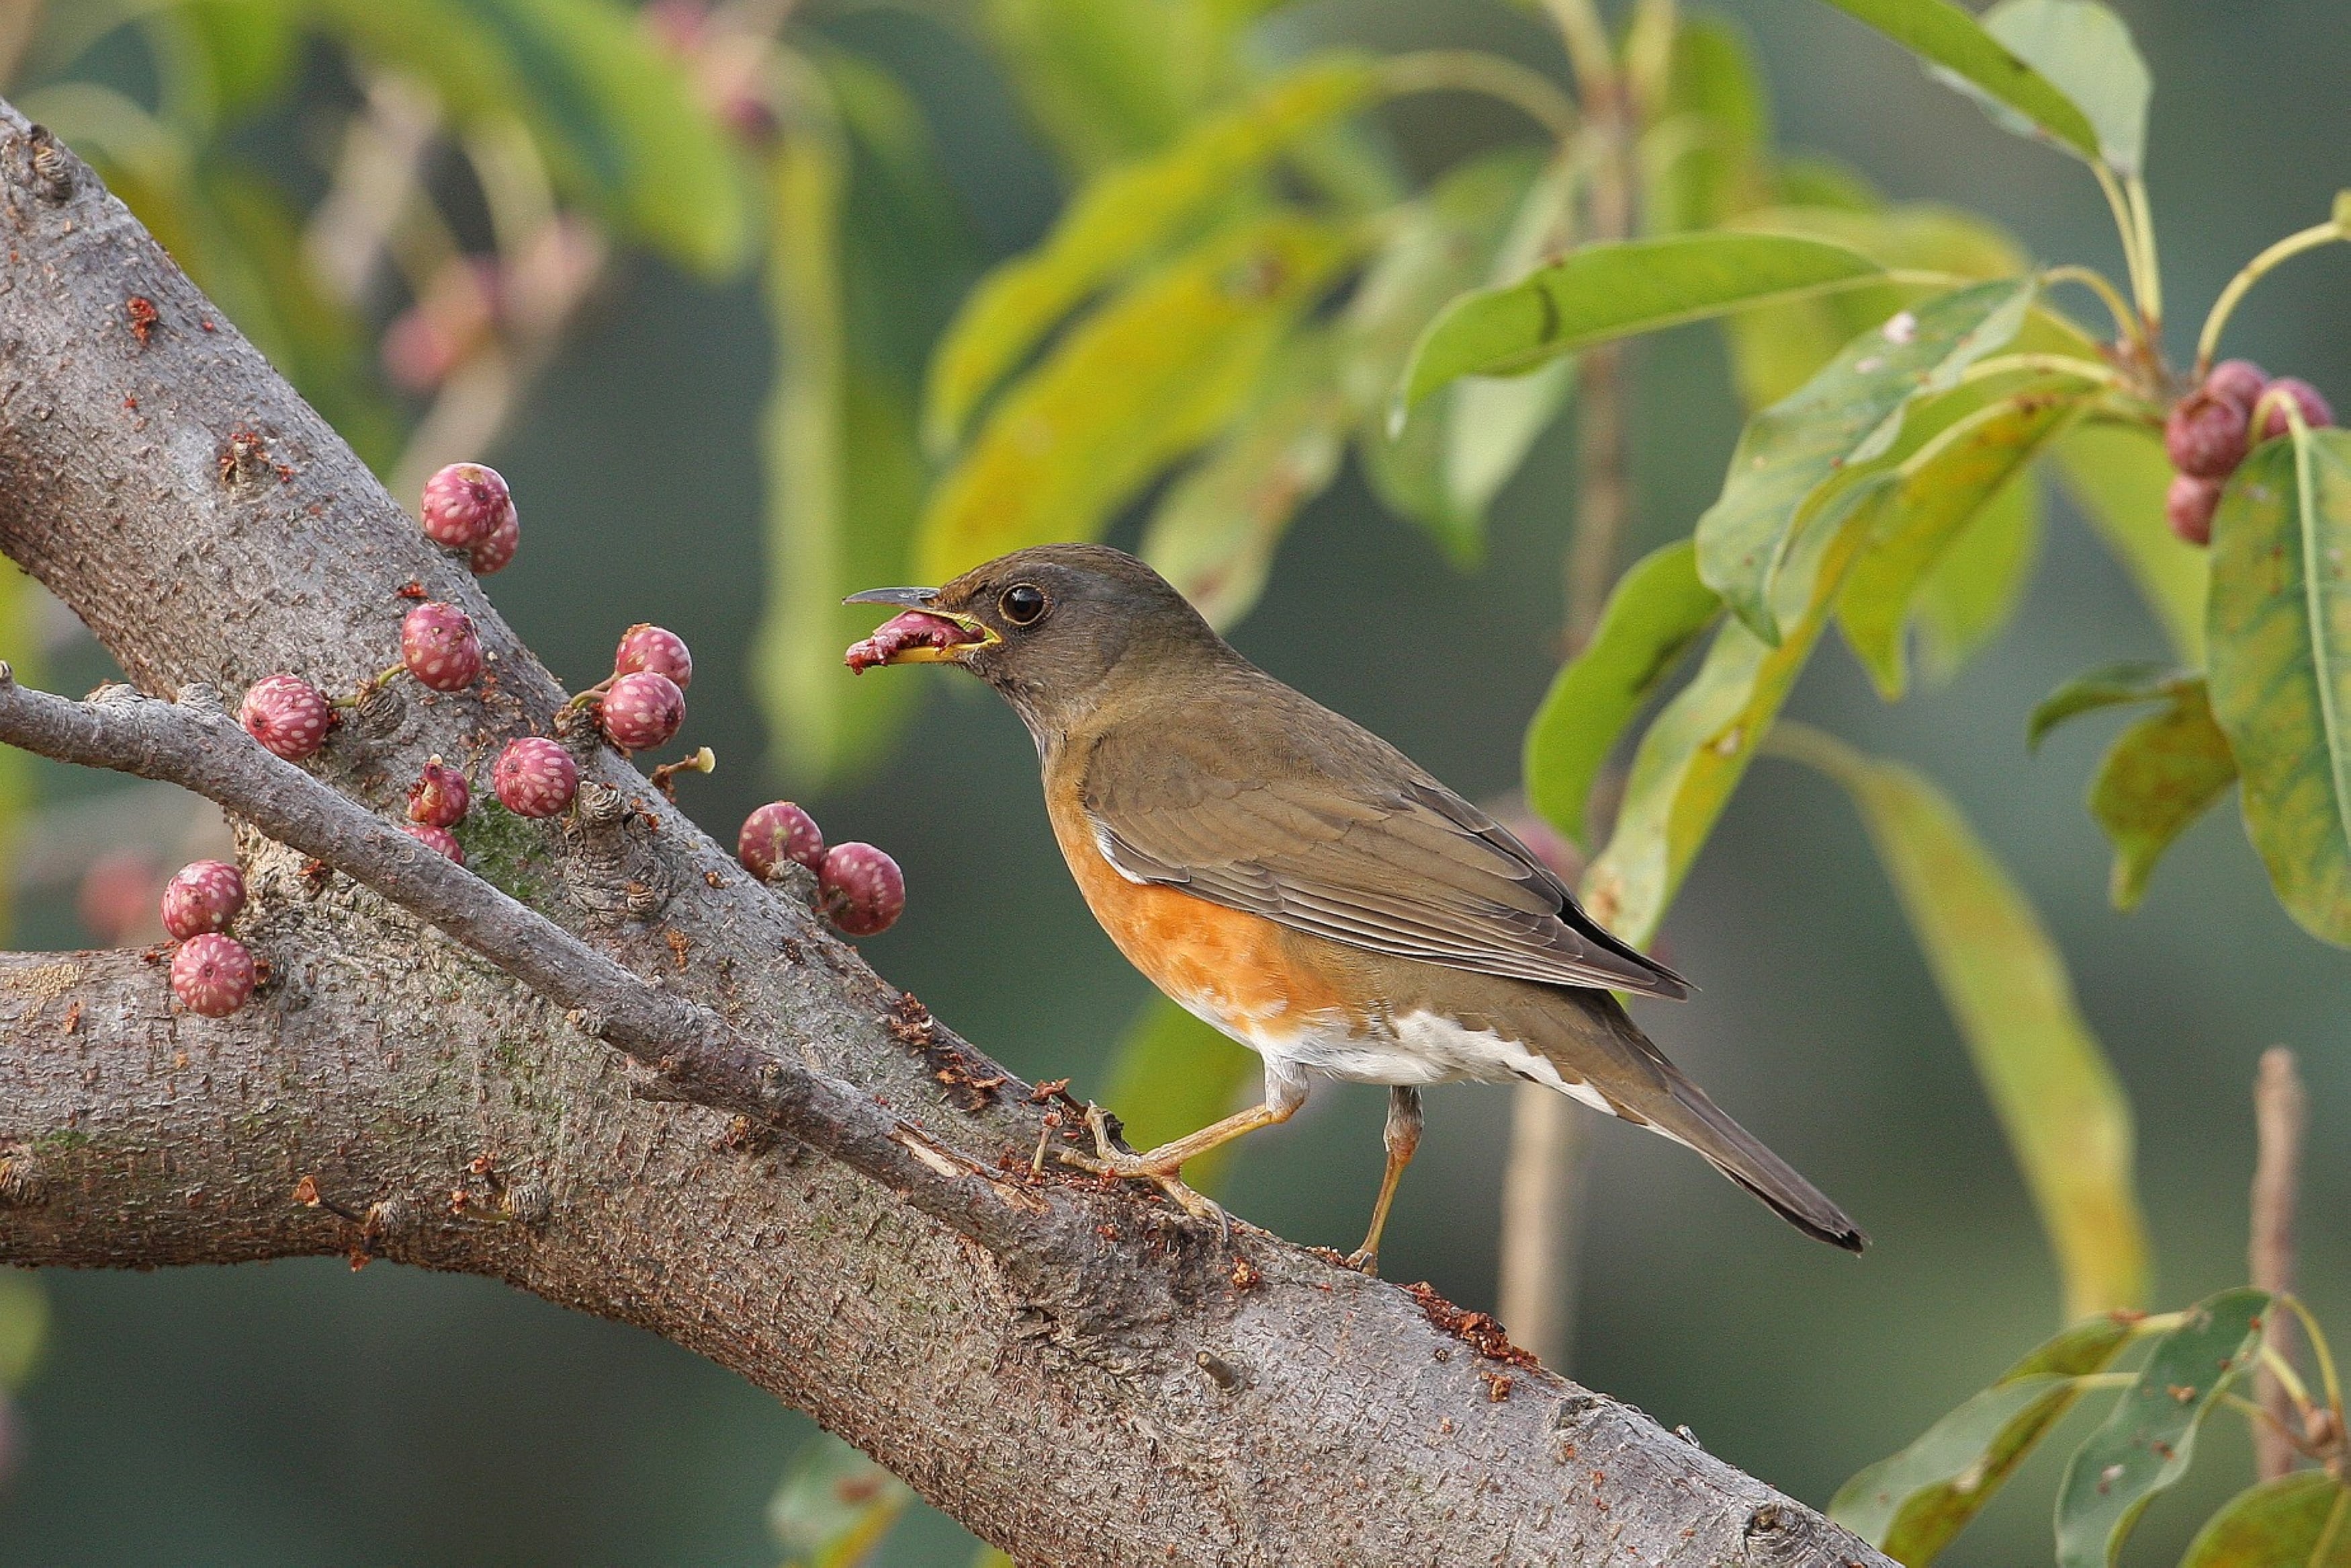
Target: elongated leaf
x,y
1173,1075
1936,492
2146,1444
2006,989
1973,590
1824,436
2278,636
1105,79
2297,1520
1118,221
1945,36
1214,536
1912,1504
2108,686
1656,612
1133,387
1695,751
2086,52
618,119
834,1506
23,1326
1705,156
2162,774
1614,290
2116,475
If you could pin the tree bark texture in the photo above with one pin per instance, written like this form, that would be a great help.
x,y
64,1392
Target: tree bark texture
x,y
609,1067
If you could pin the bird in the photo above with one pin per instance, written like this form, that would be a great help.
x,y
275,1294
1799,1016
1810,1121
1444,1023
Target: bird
x,y
1300,883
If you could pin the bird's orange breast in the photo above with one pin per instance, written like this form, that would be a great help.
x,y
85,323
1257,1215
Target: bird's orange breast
x,y
1243,970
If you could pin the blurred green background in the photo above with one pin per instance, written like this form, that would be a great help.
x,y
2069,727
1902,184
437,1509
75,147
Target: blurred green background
x,y
301,1414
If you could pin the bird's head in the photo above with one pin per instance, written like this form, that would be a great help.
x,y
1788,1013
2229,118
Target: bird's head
x,y
1054,629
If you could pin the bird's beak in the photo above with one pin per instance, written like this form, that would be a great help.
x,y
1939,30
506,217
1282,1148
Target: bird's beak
x,y
922,633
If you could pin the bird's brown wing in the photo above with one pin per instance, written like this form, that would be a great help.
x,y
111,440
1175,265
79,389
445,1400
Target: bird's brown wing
x,y
1339,834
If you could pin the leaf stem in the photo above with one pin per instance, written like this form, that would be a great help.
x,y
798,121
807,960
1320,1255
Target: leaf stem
x,y
1475,70
1587,37
2090,370
2127,225
2126,322
2279,1367
2143,225
2252,273
2318,1348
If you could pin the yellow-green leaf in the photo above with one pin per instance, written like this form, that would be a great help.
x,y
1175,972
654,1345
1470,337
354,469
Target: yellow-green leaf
x,y
2107,686
1912,1504
1617,289
2116,475
1829,434
1173,1075
1937,492
2006,989
2278,642
2146,1441
1137,384
834,1506
23,1326
2160,775
1973,590
1951,42
2085,50
2297,1520
1704,156
1658,609
1116,224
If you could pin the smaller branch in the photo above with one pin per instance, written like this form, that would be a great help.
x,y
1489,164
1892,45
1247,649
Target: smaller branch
x,y
194,744
2280,1113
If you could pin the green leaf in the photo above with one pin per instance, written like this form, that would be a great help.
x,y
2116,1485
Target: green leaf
x,y
834,1506
2006,986
2161,774
1107,79
1935,493
1616,289
1118,221
1705,155
1695,751
1946,37
1214,536
2146,1443
2297,1520
1173,1075
1823,437
2278,639
1913,1504
2107,686
617,117
1133,387
23,1326
2086,52
1973,592
1658,609
1438,468
2116,475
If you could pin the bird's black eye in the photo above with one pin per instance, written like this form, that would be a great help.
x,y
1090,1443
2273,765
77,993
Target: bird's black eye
x,y
1023,604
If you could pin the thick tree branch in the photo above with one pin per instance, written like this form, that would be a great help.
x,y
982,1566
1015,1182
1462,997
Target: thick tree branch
x,y
1080,1375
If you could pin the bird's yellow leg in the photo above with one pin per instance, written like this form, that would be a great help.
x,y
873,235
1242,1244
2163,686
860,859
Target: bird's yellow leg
x,y
1165,1164
1402,1137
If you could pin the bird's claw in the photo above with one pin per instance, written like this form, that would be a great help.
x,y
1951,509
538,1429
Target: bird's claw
x,y
1109,1159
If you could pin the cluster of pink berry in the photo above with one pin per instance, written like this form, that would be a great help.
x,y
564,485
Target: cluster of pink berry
x,y
533,776
643,700
859,889
2212,428
212,972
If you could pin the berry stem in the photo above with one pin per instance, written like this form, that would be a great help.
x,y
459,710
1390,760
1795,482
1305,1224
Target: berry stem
x,y
702,762
580,701
2252,273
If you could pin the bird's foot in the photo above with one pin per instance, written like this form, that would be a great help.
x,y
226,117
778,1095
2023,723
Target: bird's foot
x,y
1365,1261
1109,1159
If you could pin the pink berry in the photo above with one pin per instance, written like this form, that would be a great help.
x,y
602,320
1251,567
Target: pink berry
x,y
2240,380
440,796
863,892
438,645
775,833
645,647
211,974
535,777
464,503
435,838
2315,413
286,714
2205,435
204,896
643,710
2188,507
493,553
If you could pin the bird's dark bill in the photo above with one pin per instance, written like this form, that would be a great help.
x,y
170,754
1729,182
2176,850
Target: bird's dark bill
x,y
915,637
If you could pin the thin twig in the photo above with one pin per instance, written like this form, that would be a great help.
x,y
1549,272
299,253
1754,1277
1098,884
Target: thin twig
x,y
2281,1112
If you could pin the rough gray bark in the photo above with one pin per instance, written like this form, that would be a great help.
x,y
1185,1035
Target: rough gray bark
x,y
791,1170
